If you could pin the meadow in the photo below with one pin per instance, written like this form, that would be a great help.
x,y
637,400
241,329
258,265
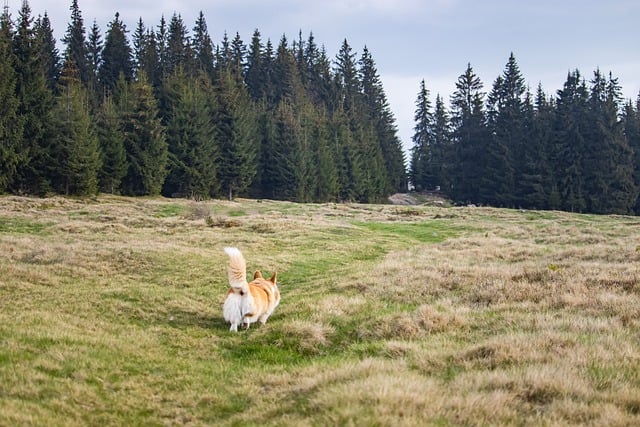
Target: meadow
x,y
111,314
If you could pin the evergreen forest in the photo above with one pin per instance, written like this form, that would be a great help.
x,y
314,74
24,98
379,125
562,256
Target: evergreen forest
x,y
162,110
577,151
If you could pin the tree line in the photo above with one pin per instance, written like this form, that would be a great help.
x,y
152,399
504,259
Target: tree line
x,y
577,151
165,111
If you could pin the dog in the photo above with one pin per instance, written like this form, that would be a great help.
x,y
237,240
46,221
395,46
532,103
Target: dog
x,y
247,303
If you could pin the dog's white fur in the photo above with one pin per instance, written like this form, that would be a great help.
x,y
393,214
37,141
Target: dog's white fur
x,y
246,302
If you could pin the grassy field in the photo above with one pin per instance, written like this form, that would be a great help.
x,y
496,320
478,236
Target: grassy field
x,y
111,314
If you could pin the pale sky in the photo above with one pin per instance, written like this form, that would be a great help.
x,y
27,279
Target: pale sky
x,y
411,40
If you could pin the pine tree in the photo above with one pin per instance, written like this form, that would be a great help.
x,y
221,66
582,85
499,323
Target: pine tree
x,y
533,177
568,142
117,56
146,53
631,122
293,164
202,47
317,73
94,59
235,119
288,86
349,129
256,78
386,144
327,171
506,124
191,135
49,53
441,135
161,44
469,133
178,53
608,159
423,175
35,108
113,154
76,155
144,138
75,39
284,166
10,121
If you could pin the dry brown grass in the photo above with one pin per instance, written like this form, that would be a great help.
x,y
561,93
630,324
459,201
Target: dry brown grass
x,y
110,314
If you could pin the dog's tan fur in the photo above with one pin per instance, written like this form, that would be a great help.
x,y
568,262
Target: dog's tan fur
x,y
246,302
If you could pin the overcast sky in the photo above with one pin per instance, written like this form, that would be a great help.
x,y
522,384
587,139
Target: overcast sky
x,y
411,40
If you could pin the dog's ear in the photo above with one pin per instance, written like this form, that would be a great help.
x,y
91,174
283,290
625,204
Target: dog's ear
x,y
257,275
274,277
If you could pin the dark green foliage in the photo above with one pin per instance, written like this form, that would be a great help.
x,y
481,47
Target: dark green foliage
x,y
144,138
35,109
94,59
75,148
202,47
75,39
236,133
468,148
176,114
573,152
178,50
506,145
116,56
48,51
191,136
10,120
111,139
631,122
423,165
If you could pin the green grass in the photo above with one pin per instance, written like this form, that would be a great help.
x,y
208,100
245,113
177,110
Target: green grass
x,y
110,313
22,226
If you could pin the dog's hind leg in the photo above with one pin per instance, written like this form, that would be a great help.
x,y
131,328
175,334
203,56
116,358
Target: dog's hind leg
x,y
263,318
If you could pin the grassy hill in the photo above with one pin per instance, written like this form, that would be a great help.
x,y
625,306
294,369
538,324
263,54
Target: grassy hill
x,y
111,314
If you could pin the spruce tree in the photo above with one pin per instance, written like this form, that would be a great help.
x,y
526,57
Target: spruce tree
x,y
469,135
113,154
117,56
286,79
144,137
191,136
256,77
202,48
386,144
441,135
568,142
326,169
631,123
284,167
94,60
235,119
607,158
10,121
75,40
178,51
422,170
35,108
506,144
49,53
533,177
76,155
349,128
146,53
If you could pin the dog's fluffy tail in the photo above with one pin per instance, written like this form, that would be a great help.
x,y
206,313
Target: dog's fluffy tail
x,y
237,269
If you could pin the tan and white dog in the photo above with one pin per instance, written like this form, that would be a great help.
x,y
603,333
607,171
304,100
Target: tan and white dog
x,y
247,303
